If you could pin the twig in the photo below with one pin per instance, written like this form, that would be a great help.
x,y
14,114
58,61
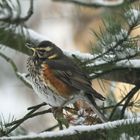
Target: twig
x,y
11,62
112,106
17,19
39,105
51,128
131,95
118,104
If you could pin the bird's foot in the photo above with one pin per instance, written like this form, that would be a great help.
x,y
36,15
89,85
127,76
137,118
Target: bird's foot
x,y
59,116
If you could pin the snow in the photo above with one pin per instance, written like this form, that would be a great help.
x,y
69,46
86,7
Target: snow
x,y
79,54
135,63
131,63
123,63
126,136
34,35
122,34
108,2
77,129
132,16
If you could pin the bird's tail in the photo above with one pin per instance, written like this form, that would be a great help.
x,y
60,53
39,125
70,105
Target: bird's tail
x,y
97,95
95,108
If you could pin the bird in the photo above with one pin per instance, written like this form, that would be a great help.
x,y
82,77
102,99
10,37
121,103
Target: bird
x,y
58,80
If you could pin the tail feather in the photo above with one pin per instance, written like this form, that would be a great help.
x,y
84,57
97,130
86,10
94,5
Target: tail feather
x,y
97,95
95,108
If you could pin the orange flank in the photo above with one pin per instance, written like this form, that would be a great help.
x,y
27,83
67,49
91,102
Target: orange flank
x,y
51,80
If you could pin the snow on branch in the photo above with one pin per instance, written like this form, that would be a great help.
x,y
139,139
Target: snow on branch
x,y
35,37
132,16
135,63
95,3
108,2
129,63
73,130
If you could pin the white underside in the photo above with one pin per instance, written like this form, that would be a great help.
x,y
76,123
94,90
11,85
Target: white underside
x,y
53,99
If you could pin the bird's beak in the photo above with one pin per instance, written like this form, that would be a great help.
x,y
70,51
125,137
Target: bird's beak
x,y
31,47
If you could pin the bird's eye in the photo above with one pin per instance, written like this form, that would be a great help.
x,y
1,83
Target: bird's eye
x,y
40,53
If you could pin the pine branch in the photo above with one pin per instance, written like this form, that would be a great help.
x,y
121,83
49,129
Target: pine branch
x,y
117,43
89,132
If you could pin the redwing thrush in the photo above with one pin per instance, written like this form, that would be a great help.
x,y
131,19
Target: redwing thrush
x,y
58,80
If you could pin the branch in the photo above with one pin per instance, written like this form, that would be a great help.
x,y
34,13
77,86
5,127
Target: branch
x,y
119,71
14,12
36,106
130,96
88,132
95,3
29,14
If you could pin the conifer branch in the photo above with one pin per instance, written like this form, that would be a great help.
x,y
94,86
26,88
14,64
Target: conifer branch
x,y
100,131
118,43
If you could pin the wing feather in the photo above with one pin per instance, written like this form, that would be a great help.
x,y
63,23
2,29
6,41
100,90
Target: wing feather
x,y
67,71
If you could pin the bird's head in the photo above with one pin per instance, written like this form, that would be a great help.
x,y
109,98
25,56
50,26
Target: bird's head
x,y
46,50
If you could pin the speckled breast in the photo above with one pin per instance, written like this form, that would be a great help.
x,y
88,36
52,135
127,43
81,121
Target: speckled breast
x,y
41,88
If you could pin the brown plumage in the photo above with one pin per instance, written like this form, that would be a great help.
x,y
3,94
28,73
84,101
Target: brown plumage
x,y
61,88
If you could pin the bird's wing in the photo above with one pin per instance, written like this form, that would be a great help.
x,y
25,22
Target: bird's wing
x,y
71,74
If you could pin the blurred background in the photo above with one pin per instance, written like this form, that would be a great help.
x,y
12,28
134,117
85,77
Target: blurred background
x,y
69,27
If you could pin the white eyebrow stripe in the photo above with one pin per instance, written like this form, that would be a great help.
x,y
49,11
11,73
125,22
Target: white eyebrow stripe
x,y
52,56
48,48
